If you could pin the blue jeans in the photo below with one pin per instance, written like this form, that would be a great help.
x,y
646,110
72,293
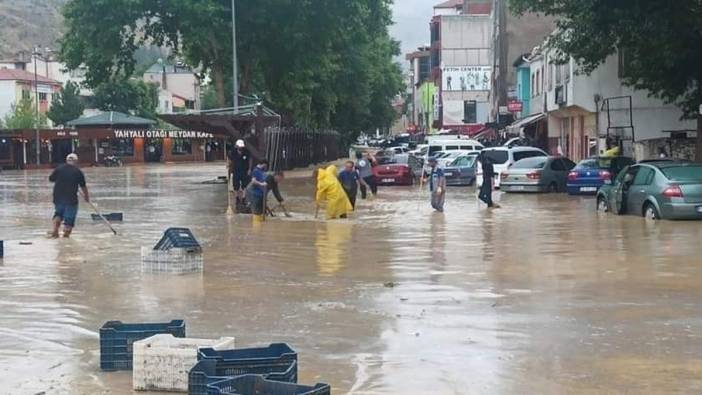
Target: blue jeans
x,y
67,213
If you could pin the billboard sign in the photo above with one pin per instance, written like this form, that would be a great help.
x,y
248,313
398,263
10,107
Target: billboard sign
x,y
515,106
466,78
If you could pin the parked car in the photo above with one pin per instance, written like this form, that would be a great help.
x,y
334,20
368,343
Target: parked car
x,y
461,172
590,174
537,174
504,157
393,171
451,156
397,150
655,190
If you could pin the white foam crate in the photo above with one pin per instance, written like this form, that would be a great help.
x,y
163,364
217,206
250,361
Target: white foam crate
x,y
162,362
175,260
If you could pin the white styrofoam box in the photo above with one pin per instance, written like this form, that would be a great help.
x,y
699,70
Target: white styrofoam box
x,y
175,260
162,362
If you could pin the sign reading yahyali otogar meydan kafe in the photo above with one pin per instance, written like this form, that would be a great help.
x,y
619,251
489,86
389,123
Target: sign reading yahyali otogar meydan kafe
x,y
161,134
466,78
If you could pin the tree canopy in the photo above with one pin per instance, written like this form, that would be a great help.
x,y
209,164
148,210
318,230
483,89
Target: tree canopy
x,y
24,116
660,41
322,63
128,96
67,105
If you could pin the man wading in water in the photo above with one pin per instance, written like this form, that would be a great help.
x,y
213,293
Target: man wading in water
x,y
488,177
437,186
257,190
67,178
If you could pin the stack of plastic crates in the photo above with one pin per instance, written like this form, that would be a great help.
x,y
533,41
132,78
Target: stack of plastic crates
x,y
277,362
177,252
116,341
255,384
162,362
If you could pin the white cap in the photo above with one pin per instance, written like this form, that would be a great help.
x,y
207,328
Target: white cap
x,y
72,158
240,144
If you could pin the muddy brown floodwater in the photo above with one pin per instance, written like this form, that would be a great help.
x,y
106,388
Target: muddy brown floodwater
x,y
541,297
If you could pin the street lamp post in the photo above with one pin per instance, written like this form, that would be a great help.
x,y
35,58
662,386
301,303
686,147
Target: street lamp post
x,y
235,71
36,107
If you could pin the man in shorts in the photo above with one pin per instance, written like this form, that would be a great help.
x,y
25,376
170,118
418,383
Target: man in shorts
x,y
67,178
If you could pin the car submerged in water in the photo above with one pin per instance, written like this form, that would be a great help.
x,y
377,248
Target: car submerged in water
x,y
591,174
655,190
396,170
537,174
461,172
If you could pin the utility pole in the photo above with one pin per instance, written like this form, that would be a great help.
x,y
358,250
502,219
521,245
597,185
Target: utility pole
x,y
235,69
36,107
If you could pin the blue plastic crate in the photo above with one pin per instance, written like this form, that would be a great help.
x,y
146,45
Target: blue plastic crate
x,y
116,341
257,385
178,238
276,362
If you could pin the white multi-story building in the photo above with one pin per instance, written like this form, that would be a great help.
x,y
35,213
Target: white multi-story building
x,y
589,113
179,87
18,84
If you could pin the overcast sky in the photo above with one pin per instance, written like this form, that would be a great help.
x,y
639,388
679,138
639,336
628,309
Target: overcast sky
x,y
412,23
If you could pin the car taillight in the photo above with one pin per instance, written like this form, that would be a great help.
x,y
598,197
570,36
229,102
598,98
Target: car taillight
x,y
535,175
605,175
572,176
673,191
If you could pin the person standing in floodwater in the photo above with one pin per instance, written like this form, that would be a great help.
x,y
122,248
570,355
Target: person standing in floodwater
x,y
349,179
256,190
488,171
329,190
240,168
67,178
437,185
364,165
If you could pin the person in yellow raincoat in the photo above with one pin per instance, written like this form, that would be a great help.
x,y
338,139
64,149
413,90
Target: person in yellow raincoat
x,y
329,190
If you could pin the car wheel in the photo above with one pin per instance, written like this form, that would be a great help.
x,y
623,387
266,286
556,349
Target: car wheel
x,y
650,212
602,206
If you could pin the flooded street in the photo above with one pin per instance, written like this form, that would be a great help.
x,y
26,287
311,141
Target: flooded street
x,y
541,297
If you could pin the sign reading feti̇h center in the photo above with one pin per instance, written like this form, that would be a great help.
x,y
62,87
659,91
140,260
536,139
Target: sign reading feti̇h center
x,y
161,134
466,78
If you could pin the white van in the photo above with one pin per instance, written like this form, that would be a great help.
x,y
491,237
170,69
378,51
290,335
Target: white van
x,y
504,157
453,145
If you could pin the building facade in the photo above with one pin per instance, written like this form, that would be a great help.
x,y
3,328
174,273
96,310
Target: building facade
x,y
18,84
461,60
179,87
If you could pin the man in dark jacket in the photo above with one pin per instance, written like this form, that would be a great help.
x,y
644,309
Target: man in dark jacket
x,y
488,178
67,178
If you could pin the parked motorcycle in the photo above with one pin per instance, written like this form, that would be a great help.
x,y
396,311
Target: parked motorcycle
x,y
112,161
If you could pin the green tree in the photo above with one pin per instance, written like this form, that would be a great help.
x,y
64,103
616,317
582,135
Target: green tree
x,y
67,105
128,96
310,60
23,116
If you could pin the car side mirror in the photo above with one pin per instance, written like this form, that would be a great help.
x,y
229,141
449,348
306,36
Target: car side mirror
x,y
629,178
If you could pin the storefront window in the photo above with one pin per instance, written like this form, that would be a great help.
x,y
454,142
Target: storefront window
x,y
122,147
182,147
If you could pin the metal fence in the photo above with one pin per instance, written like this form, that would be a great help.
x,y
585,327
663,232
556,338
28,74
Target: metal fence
x,y
289,148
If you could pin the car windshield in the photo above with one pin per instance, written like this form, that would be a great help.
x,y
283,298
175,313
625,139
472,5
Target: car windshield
x,y
464,161
498,157
531,163
683,173
599,163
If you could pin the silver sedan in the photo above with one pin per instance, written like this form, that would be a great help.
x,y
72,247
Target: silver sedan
x,y
537,174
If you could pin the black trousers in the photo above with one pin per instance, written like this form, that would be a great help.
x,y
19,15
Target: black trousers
x,y
370,180
486,192
352,193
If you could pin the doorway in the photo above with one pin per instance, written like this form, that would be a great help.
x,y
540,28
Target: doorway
x,y
153,150
60,149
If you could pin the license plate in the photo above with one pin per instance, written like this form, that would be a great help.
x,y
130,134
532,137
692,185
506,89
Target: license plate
x,y
388,180
588,189
699,209
448,174
518,187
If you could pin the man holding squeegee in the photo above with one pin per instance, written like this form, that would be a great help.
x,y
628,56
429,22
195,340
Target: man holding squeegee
x,y
67,178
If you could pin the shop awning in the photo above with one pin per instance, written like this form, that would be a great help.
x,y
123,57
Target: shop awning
x,y
227,122
110,119
517,127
